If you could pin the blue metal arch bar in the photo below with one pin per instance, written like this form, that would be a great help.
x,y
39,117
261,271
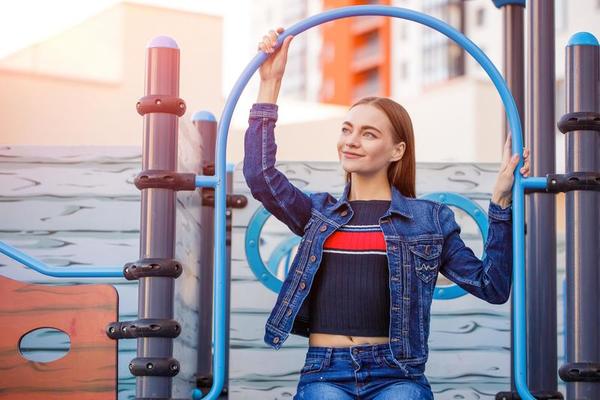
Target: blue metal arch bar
x,y
517,190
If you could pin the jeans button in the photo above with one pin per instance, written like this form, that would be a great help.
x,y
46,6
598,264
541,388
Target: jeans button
x,y
288,312
275,340
302,285
323,228
344,213
313,258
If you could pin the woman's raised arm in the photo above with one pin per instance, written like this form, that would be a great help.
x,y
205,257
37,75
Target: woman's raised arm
x,y
267,184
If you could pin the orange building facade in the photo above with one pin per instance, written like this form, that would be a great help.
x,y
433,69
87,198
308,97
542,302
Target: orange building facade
x,y
356,56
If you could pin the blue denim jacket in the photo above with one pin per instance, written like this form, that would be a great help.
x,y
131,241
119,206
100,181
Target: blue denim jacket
x,y
421,236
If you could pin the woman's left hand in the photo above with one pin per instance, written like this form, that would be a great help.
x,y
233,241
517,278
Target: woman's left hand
x,y
503,189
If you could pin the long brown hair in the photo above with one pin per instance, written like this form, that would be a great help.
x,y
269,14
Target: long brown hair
x,y
401,173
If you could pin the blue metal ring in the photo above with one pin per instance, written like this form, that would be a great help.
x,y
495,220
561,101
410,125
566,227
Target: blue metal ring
x,y
262,271
265,272
474,211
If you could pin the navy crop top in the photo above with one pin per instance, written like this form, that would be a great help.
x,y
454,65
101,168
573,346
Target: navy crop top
x,y
350,294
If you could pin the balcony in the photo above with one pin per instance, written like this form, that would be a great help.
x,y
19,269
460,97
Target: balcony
x,y
366,24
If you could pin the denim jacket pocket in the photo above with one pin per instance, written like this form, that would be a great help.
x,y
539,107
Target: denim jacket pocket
x,y
426,258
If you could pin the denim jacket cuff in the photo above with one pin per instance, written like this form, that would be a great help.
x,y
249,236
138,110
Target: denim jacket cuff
x,y
497,212
264,110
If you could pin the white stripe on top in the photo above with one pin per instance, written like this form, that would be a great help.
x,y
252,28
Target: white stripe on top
x,y
355,252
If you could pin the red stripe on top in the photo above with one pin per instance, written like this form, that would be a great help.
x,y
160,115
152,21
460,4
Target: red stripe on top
x,y
363,241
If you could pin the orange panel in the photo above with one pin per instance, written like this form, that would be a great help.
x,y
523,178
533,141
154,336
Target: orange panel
x,y
88,371
345,71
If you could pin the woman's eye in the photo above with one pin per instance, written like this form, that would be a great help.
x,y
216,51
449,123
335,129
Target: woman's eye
x,y
370,133
345,130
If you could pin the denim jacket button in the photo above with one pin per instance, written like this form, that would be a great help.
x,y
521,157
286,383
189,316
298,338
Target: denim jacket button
x,y
275,340
313,258
302,285
323,228
344,213
288,312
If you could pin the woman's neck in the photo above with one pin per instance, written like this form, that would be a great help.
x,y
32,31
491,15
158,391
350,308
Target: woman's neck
x,y
370,187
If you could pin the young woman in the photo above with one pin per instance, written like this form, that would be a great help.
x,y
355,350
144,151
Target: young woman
x,y
361,284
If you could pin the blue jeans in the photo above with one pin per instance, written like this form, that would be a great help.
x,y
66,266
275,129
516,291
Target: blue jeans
x,y
365,372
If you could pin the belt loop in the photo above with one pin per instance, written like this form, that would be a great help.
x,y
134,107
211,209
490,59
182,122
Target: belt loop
x,y
328,356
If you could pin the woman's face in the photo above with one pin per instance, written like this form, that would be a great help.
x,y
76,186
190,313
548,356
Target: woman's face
x,y
366,145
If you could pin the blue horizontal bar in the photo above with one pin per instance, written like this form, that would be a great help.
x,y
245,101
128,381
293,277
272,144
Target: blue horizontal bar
x,y
60,272
206,181
535,182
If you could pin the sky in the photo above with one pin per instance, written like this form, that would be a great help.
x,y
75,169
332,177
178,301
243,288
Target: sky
x,y
26,22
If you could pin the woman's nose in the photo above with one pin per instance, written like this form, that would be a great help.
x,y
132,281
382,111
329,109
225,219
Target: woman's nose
x,y
352,140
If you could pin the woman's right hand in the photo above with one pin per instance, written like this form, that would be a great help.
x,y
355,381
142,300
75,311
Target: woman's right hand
x,y
273,67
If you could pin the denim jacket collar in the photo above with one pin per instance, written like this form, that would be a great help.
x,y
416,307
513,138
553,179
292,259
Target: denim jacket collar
x,y
399,203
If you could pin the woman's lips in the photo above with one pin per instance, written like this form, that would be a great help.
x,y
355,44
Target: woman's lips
x,y
349,155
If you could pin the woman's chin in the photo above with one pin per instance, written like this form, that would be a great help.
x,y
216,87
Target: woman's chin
x,y
349,166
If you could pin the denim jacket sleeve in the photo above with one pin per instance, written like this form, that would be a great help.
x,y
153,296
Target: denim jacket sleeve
x,y
489,279
267,184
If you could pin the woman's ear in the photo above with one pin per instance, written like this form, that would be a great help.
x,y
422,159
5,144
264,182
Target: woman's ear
x,y
398,152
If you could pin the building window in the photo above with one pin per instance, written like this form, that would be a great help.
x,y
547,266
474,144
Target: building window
x,y
369,85
560,15
404,71
480,17
442,58
403,31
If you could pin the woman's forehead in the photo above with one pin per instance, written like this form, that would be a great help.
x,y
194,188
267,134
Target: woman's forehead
x,y
365,114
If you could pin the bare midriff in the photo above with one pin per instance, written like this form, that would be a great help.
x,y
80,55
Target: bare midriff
x,y
330,340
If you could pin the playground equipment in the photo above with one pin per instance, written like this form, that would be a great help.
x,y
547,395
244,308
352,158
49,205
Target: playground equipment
x,y
159,181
